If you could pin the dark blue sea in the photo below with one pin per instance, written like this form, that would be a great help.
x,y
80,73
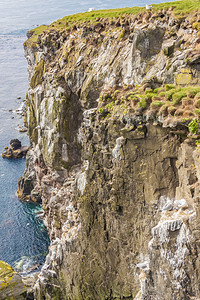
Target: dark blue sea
x,y
23,238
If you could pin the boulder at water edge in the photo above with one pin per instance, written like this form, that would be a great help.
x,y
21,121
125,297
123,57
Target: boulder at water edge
x,y
15,150
11,285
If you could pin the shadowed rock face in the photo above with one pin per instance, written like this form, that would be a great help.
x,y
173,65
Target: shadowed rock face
x,y
119,183
15,144
148,41
11,285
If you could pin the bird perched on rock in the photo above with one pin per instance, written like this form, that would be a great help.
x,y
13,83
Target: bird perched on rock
x,y
148,6
91,9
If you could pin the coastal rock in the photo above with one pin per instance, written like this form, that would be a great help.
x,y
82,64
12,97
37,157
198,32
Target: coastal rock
x,y
15,150
11,285
28,189
15,144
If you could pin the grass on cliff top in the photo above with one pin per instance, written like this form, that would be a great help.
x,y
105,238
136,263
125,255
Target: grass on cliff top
x,y
36,31
183,7
180,8
102,14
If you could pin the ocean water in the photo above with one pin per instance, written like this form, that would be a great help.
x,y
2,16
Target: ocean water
x,y
23,238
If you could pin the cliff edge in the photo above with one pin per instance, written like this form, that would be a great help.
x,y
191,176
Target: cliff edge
x,y
113,112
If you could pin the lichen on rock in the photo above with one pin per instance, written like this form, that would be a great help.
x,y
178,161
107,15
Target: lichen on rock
x,y
11,285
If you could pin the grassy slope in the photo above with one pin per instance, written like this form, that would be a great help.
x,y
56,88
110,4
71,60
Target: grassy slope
x,y
181,8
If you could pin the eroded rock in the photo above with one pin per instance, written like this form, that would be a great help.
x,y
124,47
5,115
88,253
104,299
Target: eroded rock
x,y
11,285
15,150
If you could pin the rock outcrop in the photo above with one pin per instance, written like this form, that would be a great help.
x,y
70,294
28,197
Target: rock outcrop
x,y
11,285
113,162
15,150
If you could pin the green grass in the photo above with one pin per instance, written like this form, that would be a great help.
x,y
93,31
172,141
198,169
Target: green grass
x,y
177,96
100,14
180,8
110,105
161,94
131,97
192,91
168,87
101,110
156,90
150,95
197,112
196,25
193,126
157,103
143,103
35,32
170,93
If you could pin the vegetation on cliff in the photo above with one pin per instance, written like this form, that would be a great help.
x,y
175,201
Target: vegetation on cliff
x,y
117,17
113,111
163,102
87,52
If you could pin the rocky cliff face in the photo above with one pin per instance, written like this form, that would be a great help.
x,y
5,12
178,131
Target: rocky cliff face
x,y
112,161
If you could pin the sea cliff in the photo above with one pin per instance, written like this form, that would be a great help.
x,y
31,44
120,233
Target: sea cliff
x,y
113,116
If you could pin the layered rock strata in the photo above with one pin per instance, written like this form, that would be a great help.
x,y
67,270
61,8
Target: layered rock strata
x,y
115,167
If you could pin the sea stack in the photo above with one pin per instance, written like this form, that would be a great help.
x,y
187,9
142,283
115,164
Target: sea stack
x,y
15,150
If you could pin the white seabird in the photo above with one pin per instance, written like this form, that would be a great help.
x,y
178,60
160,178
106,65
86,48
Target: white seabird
x,y
148,6
91,9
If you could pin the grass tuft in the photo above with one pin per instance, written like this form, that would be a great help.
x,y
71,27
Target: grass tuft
x,y
143,103
176,97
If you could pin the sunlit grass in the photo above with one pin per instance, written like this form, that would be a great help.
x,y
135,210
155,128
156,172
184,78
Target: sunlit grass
x,y
180,9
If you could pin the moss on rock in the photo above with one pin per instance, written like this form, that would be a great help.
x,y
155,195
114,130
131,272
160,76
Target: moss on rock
x,y
37,78
184,77
11,285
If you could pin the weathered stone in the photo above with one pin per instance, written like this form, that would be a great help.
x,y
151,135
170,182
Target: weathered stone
x,y
168,47
15,144
11,285
15,150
